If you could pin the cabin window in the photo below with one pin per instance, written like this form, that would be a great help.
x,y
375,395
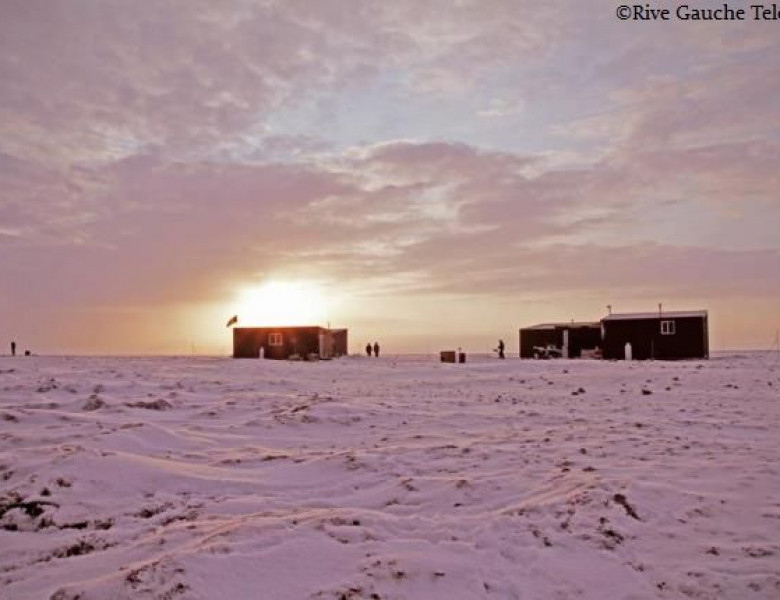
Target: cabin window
x,y
274,339
667,327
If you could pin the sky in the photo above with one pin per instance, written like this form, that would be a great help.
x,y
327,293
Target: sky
x,y
427,173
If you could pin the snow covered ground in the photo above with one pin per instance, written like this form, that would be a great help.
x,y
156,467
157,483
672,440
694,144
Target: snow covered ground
x,y
391,478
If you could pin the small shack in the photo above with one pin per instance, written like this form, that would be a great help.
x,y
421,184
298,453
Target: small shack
x,y
452,356
283,343
566,340
660,335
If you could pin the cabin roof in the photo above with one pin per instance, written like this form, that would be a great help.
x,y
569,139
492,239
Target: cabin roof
x,y
272,328
666,314
568,324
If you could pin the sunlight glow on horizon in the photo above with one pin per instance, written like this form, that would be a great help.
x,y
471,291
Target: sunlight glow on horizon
x,y
282,303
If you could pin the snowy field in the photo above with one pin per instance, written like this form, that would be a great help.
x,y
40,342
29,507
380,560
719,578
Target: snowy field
x,y
396,478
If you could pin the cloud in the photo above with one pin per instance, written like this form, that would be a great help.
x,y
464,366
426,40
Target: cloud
x,y
451,214
96,82
499,107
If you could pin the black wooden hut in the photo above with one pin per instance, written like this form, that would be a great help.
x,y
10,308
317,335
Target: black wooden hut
x,y
660,335
288,342
568,339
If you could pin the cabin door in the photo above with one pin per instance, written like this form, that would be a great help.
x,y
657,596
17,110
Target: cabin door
x,y
324,345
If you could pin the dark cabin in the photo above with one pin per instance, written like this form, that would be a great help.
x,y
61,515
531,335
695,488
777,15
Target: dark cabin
x,y
287,342
569,338
660,335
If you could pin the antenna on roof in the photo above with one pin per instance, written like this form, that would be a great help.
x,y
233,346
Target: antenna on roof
x,y
660,309
776,346
609,309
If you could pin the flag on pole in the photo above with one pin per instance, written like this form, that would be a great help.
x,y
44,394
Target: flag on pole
x,y
233,320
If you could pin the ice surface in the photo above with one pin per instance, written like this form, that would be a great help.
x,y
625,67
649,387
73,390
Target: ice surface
x,y
387,479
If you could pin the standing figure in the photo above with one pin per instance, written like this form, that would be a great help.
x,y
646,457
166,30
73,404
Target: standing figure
x,y
376,349
368,349
13,348
501,349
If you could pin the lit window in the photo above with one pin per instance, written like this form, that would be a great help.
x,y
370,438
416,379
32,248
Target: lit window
x,y
274,339
667,327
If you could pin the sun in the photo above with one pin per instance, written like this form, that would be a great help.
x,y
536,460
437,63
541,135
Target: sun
x,y
278,303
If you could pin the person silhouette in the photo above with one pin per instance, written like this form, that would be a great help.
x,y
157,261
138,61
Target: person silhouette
x,y
501,349
368,349
13,348
376,349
